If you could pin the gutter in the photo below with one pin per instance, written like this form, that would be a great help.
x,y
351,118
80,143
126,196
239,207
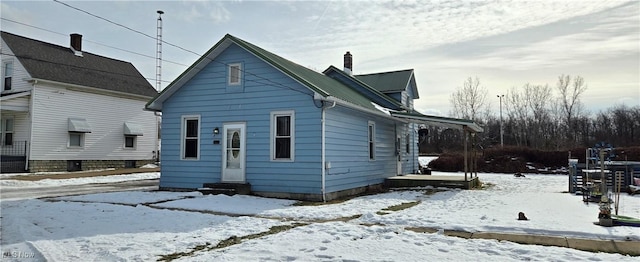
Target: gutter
x,y
324,157
93,89
360,108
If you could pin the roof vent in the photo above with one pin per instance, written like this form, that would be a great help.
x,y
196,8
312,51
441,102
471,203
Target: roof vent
x,y
76,44
348,63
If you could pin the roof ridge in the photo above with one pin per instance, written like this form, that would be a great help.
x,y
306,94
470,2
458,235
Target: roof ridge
x,y
389,72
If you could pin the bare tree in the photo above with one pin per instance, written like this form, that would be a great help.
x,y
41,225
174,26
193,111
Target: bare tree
x,y
555,115
517,113
538,97
570,91
470,100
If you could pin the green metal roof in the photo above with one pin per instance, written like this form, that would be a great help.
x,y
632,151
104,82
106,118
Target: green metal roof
x,y
318,82
395,81
315,81
374,94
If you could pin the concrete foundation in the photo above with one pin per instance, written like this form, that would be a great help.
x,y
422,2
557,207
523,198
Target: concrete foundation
x,y
83,165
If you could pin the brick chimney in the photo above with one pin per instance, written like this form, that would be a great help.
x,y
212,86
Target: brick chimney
x,y
348,63
76,44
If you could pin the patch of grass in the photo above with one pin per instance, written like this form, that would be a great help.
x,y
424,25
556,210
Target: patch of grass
x,y
345,219
233,240
399,207
313,203
372,224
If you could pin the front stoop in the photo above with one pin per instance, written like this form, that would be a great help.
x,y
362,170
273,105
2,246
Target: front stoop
x,y
225,188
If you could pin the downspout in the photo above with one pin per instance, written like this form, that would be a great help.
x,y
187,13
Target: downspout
x,y
32,115
324,157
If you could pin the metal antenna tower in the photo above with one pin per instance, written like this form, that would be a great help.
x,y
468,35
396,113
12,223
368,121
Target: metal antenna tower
x,y
159,52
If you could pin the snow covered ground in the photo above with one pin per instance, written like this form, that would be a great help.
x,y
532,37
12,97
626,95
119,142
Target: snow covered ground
x,y
147,226
11,183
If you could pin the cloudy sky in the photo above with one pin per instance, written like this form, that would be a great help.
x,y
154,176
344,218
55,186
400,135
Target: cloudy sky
x,y
504,43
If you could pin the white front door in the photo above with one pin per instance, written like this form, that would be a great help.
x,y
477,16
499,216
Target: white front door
x,y
233,155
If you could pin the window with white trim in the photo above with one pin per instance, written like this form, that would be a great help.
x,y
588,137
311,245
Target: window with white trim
x,y
235,74
76,139
190,137
130,142
283,135
7,68
6,128
372,140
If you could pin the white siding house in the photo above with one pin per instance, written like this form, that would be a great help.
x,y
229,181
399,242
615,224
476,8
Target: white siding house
x,y
66,109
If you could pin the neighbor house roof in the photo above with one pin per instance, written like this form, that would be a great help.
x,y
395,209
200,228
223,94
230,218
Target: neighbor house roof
x,y
388,82
51,62
315,81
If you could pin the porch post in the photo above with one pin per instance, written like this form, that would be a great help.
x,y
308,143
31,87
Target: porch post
x,y
475,156
466,161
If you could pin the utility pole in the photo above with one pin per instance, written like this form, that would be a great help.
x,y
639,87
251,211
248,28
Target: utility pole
x,y
501,128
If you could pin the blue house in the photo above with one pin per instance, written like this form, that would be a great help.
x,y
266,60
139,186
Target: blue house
x,y
241,114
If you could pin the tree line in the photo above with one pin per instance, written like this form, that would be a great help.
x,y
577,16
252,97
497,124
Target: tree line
x,y
536,116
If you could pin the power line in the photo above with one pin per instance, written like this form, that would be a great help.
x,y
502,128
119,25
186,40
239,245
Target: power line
x,y
275,84
150,79
124,26
94,42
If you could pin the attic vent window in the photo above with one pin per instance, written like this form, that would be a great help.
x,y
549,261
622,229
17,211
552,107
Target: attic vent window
x,y
235,74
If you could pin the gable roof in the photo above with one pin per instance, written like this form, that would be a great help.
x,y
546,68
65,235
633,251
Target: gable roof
x,y
389,82
320,84
56,63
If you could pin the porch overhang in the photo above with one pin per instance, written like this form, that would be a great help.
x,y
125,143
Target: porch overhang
x,y
448,122
15,101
